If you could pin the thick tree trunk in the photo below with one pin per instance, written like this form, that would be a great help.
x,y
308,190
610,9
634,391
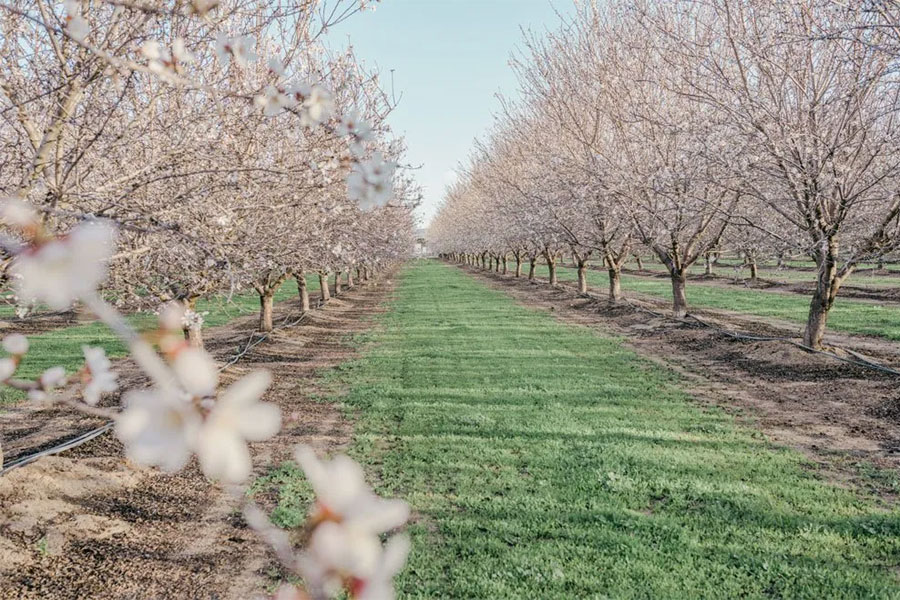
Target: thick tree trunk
x,y
497,264
518,265
532,266
640,262
303,289
582,277
551,264
505,264
827,285
754,270
323,286
349,278
484,262
615,284
679,299
709,264
266,305
337,283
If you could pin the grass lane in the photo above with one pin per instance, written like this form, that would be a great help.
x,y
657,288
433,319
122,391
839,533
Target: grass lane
x,y
546,461
867,318
63,346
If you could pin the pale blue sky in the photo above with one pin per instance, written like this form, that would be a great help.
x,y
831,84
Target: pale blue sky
x,y
449,59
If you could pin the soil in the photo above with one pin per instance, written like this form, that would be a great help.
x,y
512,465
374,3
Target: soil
x,y
89,524
844,417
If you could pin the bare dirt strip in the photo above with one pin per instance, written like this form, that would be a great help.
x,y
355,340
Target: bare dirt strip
x,y
88,524
844,417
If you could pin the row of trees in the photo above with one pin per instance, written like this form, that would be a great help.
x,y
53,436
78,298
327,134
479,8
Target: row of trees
x,y
687,126
225,173
152,153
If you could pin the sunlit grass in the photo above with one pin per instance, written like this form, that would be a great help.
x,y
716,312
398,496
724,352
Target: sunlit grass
x,y
545,461
851,316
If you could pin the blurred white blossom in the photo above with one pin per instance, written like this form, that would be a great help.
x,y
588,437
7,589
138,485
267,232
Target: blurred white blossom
x,y
65,269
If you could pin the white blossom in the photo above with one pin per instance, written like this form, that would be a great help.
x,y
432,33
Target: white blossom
x,y
316,103
76,25
53,377
62,270
238,48
102,379
18,213
7,368
15,343
158,429
237,417
196,372
342,492
371,183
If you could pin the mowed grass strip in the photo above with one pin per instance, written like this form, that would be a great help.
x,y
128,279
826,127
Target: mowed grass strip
x,y
63,346
544,461
851,316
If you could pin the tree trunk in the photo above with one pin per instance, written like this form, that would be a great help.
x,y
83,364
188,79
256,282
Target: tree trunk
x,y
709,264
193,333
640,262
349,278
827,285
323,286
497,264
615,284
551,264
505,264
304,291
518,265
266,304
582,277
679,300
754,270
532,266
484,262
337,283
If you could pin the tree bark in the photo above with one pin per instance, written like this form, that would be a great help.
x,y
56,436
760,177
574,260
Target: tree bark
x,y
266,305
582,276
828,282
349,278
551,264
679,299
754,270
532,266
518,264
505,264
709,264
337,283
615,284
323,286
303,289
640,262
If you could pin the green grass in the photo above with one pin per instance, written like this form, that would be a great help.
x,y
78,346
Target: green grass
x,y
851,316
546,461
727,270
63,346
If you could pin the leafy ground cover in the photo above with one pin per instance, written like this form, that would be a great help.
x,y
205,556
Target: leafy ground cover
x,y
543,460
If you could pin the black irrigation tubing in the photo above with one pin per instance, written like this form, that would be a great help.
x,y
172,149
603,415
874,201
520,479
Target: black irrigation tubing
x,y
859,360
68,445
251,343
